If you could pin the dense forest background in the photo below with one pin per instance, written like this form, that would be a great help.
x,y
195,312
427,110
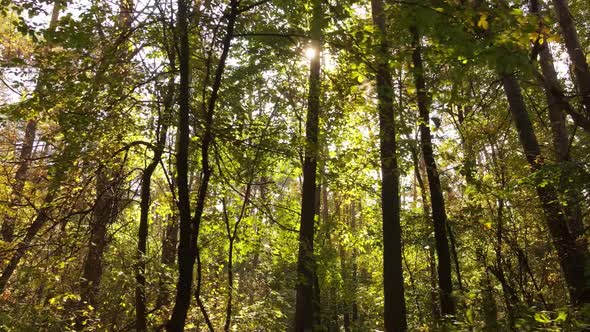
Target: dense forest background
x,y
280,165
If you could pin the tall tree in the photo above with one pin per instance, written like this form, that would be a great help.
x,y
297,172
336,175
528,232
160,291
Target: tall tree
x,y
439,215
574,50
304,313
571,258
188,250
26,151
393,279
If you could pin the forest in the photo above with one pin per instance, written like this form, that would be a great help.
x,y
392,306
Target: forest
x,y
294,165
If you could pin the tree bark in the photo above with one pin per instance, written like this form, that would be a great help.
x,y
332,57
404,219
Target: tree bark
x,y
20,178
574,50
572,259
104,213
188,250
140,290
393,280
437,202
558,107
39,221
435,310
8,225
304,307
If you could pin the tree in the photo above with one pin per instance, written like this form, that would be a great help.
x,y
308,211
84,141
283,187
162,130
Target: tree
x,y
393,280
304,314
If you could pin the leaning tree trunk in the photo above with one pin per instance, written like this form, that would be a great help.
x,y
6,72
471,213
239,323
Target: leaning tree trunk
x,y
26,152
393,280
572,259
557,108
304,313
40,220
435,310
574,50
437,202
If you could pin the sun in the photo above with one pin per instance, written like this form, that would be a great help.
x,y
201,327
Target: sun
x,y
310,53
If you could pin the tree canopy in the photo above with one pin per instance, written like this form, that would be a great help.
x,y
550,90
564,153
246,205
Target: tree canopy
x,y
280,165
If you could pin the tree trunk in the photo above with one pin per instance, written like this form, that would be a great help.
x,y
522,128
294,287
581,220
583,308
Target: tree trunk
x,y
103,214
8,225
574,50
140,290
557,108
186,256
20,178
393,280
188,249
34,228
435,310
439,215
304,307
571,258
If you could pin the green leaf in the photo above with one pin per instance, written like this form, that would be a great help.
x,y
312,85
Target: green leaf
x,y
542,318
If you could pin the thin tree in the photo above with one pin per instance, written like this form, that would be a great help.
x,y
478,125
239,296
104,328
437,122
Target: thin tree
x,y
439,215
574,50
304,313
393,280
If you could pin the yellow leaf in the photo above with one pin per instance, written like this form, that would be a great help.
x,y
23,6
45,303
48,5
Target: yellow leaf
x,y
483,22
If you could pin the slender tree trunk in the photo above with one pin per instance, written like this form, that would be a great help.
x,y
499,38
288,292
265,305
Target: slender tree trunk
x,y
431,259
490,309
26,152
140,290
575,51
571,258
455,256
232,234
304,313
354,267
510,297
39,221
439,215
557,109
393,280
20,178
168,258
344,273
188,250
186,256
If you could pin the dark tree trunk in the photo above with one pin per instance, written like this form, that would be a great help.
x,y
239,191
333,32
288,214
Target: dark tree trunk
x,y
103,214
575,51
304,313
558,107
186,256
571,258
510,298
140,291
435,310
490,309
39,221
188,249
437,202
455,255
393,280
